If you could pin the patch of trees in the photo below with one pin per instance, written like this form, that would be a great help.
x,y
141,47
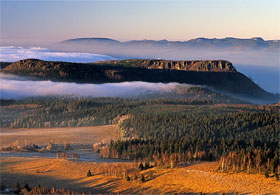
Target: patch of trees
x,y
6,102
171,153
131,172
66,112
252,160
244,140
232,126
26,190
74,112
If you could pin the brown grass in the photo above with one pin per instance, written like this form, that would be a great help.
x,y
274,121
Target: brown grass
x,y
73,135
21,106
190,179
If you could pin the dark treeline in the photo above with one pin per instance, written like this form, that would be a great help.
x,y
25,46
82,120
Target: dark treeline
x,y
73,112
209,125
55,112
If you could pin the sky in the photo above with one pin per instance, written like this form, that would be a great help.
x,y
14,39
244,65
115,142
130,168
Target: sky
x,y
38,22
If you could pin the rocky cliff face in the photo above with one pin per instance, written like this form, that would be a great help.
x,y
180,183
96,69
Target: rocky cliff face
x,y
193,65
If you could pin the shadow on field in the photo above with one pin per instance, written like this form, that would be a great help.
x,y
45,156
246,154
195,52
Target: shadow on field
x,y
10,179
76,185
4,164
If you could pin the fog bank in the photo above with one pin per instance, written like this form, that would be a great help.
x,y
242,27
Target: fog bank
x,y
262,65
12,54
18,87
254,51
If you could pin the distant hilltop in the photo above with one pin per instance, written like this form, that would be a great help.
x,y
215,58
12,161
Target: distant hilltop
x,y
216,74
228,42
252,51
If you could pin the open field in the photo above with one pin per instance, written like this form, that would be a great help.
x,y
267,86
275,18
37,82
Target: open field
x,y
73,135
31,168
188,179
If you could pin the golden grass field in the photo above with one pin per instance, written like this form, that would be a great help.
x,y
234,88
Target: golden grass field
x,y
73,135
71,175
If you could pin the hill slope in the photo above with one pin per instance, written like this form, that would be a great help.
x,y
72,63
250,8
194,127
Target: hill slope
x,y
217,74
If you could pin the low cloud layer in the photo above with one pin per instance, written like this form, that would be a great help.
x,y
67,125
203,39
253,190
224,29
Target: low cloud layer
x,y
12,54
253,52
261,66
17,87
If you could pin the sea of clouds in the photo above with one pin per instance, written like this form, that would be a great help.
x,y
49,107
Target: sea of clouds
x,y
12,86
266,77
21,87
12,54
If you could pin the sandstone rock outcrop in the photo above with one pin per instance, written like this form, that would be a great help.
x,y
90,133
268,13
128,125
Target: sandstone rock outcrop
x,y
192,65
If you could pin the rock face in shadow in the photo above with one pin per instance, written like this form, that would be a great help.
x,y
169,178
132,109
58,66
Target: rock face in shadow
x,y
217,74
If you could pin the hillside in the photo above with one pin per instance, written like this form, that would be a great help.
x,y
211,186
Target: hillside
x,y
217,74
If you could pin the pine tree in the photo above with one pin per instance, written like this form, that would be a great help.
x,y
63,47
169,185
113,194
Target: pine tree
x,y
26,186
135,178
266,174
277,176
89,173
147,165
142,178
17,187
141,167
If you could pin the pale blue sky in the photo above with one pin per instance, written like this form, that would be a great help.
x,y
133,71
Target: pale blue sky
x,y
51,21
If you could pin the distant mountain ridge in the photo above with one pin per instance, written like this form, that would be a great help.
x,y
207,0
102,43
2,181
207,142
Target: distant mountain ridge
x,y
217,74
252,51
228,42
100,40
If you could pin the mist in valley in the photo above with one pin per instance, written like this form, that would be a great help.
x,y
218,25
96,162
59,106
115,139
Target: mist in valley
x,y
22,87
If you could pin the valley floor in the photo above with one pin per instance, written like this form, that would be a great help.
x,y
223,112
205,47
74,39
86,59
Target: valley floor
x,y
72,135
72,175
192,179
